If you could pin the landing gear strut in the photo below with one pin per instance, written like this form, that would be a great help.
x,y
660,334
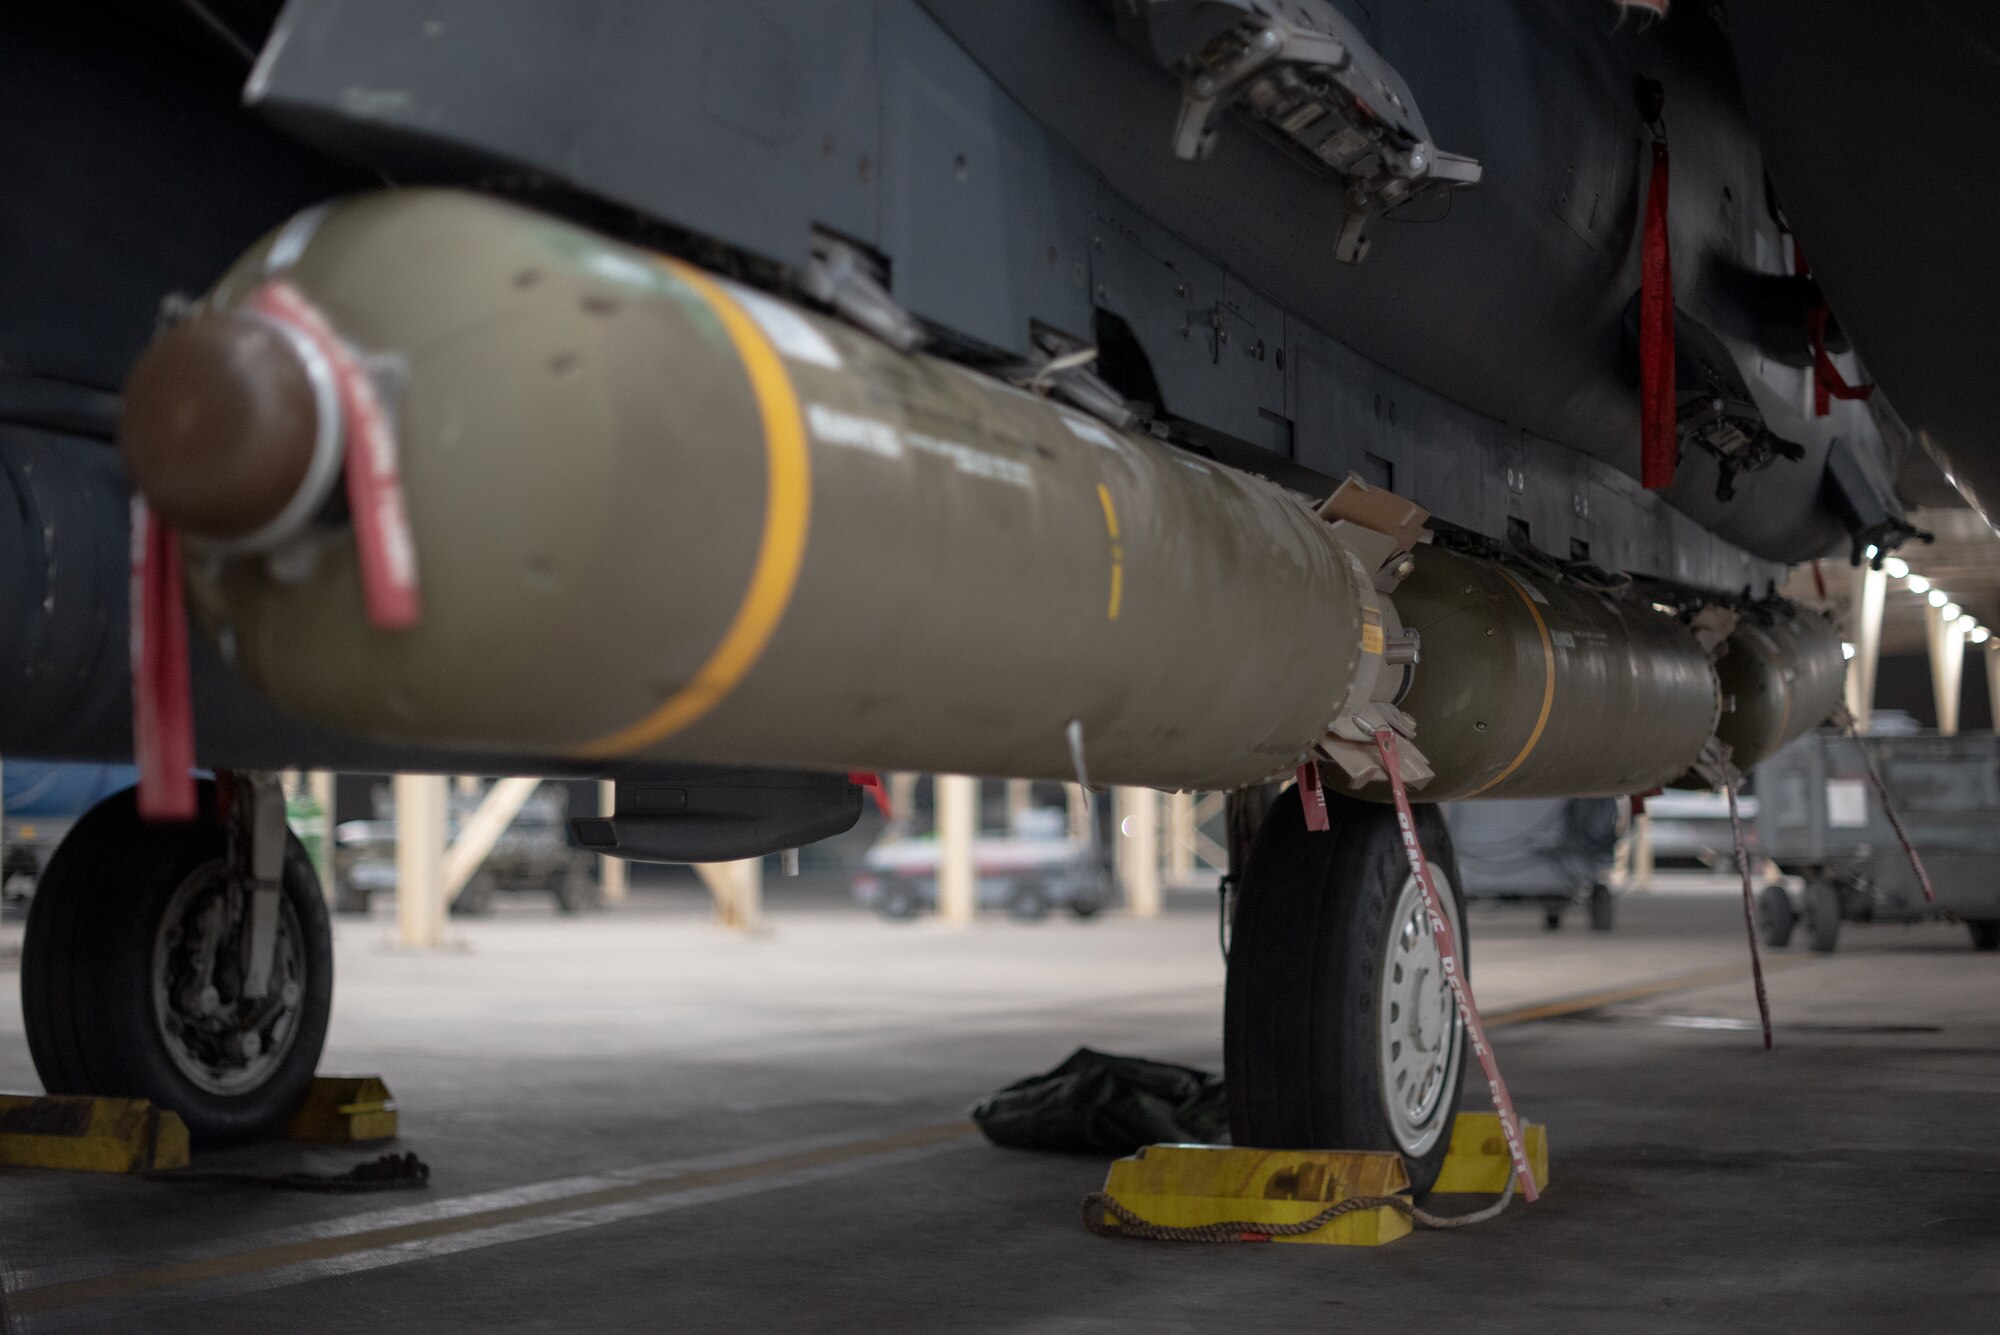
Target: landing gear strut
x,y
187,964
1340,1031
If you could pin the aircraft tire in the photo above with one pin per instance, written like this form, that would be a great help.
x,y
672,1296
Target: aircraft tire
x,y
1330,970
1028,901
105,958
1603,909
1775,917
1822,916
899,902
575,890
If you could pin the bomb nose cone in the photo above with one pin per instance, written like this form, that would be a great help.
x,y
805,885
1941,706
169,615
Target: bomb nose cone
x,y
218,425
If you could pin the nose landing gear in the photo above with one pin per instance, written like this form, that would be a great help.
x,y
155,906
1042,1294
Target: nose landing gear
x,y
191,965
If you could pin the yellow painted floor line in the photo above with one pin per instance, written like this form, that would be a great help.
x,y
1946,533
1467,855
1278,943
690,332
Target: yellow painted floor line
x,y
1590,1001
313,1257
1727,973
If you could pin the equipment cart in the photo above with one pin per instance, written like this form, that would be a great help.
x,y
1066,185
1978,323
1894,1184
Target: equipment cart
x,y
1820,818
1554,853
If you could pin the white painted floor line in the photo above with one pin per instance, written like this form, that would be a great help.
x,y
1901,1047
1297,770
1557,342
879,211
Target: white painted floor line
x,y
422,1211
51,1300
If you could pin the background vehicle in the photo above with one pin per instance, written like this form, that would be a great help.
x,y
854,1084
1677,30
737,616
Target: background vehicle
x,y
1028,869
532,855
38,804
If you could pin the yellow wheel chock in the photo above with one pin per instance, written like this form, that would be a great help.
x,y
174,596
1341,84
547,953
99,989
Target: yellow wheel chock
x,y
90,1135
82,1133
1198,1186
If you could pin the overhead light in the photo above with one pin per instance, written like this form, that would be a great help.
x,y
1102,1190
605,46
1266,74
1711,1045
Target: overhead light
x,y
1979,635
1873,551
1846,649
1918,584
1951,611
1939,598
1896,567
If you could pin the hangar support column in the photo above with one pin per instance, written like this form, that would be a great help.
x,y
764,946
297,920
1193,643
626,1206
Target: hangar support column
x,y
1871,589
1138,850
420,841
320,784
1180,837
1947,649
737,889
613,875
957,803
1993,678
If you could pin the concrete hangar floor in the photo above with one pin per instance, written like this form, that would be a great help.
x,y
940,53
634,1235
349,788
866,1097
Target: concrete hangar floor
x,y
636,1121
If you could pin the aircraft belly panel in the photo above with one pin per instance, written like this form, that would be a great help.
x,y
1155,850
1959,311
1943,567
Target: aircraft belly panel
x,y
966,173
744,121
1513,300
128,175
1024,177
1877,120
1215,344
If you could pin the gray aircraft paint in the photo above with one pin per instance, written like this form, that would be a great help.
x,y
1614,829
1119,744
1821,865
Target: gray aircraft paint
x,y
756,124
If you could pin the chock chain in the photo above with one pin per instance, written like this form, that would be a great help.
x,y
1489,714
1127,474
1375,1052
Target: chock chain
x,y
1130,1225
390,1172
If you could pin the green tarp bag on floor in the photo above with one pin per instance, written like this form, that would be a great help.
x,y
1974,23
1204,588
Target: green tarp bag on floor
x,y
1095,1103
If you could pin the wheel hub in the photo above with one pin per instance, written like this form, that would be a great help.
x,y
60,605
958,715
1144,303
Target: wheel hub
x,y
1419,1034
223,1041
